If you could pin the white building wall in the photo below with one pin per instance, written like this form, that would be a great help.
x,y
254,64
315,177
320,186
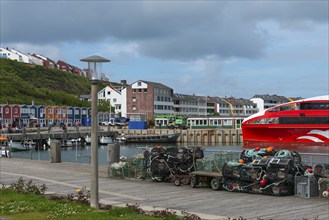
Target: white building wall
x,y
141,86
115,98
8,54
259,102
35,60
124,102
23,57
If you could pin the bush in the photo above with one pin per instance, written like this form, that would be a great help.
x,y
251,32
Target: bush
x,y
27,187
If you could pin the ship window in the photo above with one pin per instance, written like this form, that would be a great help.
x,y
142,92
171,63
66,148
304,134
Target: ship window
x,y
315,106
304,120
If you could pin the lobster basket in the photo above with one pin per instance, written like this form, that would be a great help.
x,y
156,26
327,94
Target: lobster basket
x,y
323,187
231,170
205,164
322,170
306,186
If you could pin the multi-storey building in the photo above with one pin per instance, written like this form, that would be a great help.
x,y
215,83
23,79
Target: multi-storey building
x,y
112,96
142,100
233,106
191,105
7,54
267,101
222,106
22,57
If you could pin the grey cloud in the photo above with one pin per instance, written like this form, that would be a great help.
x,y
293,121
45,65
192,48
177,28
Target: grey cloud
x,y
166,30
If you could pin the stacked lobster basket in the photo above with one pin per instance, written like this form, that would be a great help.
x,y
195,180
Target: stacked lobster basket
x,y
173,164
263,171
260,170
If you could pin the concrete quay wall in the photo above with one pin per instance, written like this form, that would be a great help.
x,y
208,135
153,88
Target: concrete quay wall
x,y
189,136
201,136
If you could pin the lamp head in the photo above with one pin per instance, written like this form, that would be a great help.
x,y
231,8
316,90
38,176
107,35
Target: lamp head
x,y
94,66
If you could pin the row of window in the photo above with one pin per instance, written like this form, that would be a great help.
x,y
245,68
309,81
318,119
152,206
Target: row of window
x,y
42,111
315,106
304,120
139,90
163,98
163,107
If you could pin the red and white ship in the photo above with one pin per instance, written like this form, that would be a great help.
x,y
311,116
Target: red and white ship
x,y
304,121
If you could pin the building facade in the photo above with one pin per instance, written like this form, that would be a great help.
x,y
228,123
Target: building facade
x,y
146,99
267,101
191,105
113,97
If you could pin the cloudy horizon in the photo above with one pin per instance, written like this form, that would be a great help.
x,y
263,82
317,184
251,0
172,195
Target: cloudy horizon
x,y
215,48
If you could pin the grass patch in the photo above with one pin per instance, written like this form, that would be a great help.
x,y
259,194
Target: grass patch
x,y
19,206
25,200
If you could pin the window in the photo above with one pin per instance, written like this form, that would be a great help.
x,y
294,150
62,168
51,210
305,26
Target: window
x,y
114,100
139,83
145,90
134,99
134,108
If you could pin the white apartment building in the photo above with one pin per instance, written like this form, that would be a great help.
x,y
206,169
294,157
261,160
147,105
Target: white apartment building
x,y
7,54
24,58
111,95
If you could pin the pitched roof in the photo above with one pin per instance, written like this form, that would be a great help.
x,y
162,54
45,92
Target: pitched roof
x,y
155,84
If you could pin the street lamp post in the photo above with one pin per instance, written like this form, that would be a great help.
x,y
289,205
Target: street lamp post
x,y
95,69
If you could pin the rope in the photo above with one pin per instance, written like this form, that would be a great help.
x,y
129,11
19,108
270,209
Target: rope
x,y
283,154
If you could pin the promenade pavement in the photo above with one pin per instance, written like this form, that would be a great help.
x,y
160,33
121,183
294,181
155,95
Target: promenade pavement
x,y
64,178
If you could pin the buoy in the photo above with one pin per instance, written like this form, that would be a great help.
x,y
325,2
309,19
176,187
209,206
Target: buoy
x,y
310,170
262,182
241,161
269,149
257,149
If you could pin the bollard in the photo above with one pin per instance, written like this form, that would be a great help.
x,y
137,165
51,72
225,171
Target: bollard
x,y
113,153
55,152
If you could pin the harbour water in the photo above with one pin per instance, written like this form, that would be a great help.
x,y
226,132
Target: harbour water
x,y
80,154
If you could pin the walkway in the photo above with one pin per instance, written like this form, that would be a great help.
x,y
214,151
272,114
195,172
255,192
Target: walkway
x,y
65,178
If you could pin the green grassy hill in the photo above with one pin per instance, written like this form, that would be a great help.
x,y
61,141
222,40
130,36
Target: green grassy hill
x,y
21,83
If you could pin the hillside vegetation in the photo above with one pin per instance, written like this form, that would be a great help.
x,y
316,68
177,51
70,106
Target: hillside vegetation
x,y
21,84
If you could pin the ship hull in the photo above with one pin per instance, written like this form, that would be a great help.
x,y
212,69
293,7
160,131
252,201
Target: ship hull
x,y
280,134
303,122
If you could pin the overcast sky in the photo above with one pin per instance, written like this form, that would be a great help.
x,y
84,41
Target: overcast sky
x,y
216,48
